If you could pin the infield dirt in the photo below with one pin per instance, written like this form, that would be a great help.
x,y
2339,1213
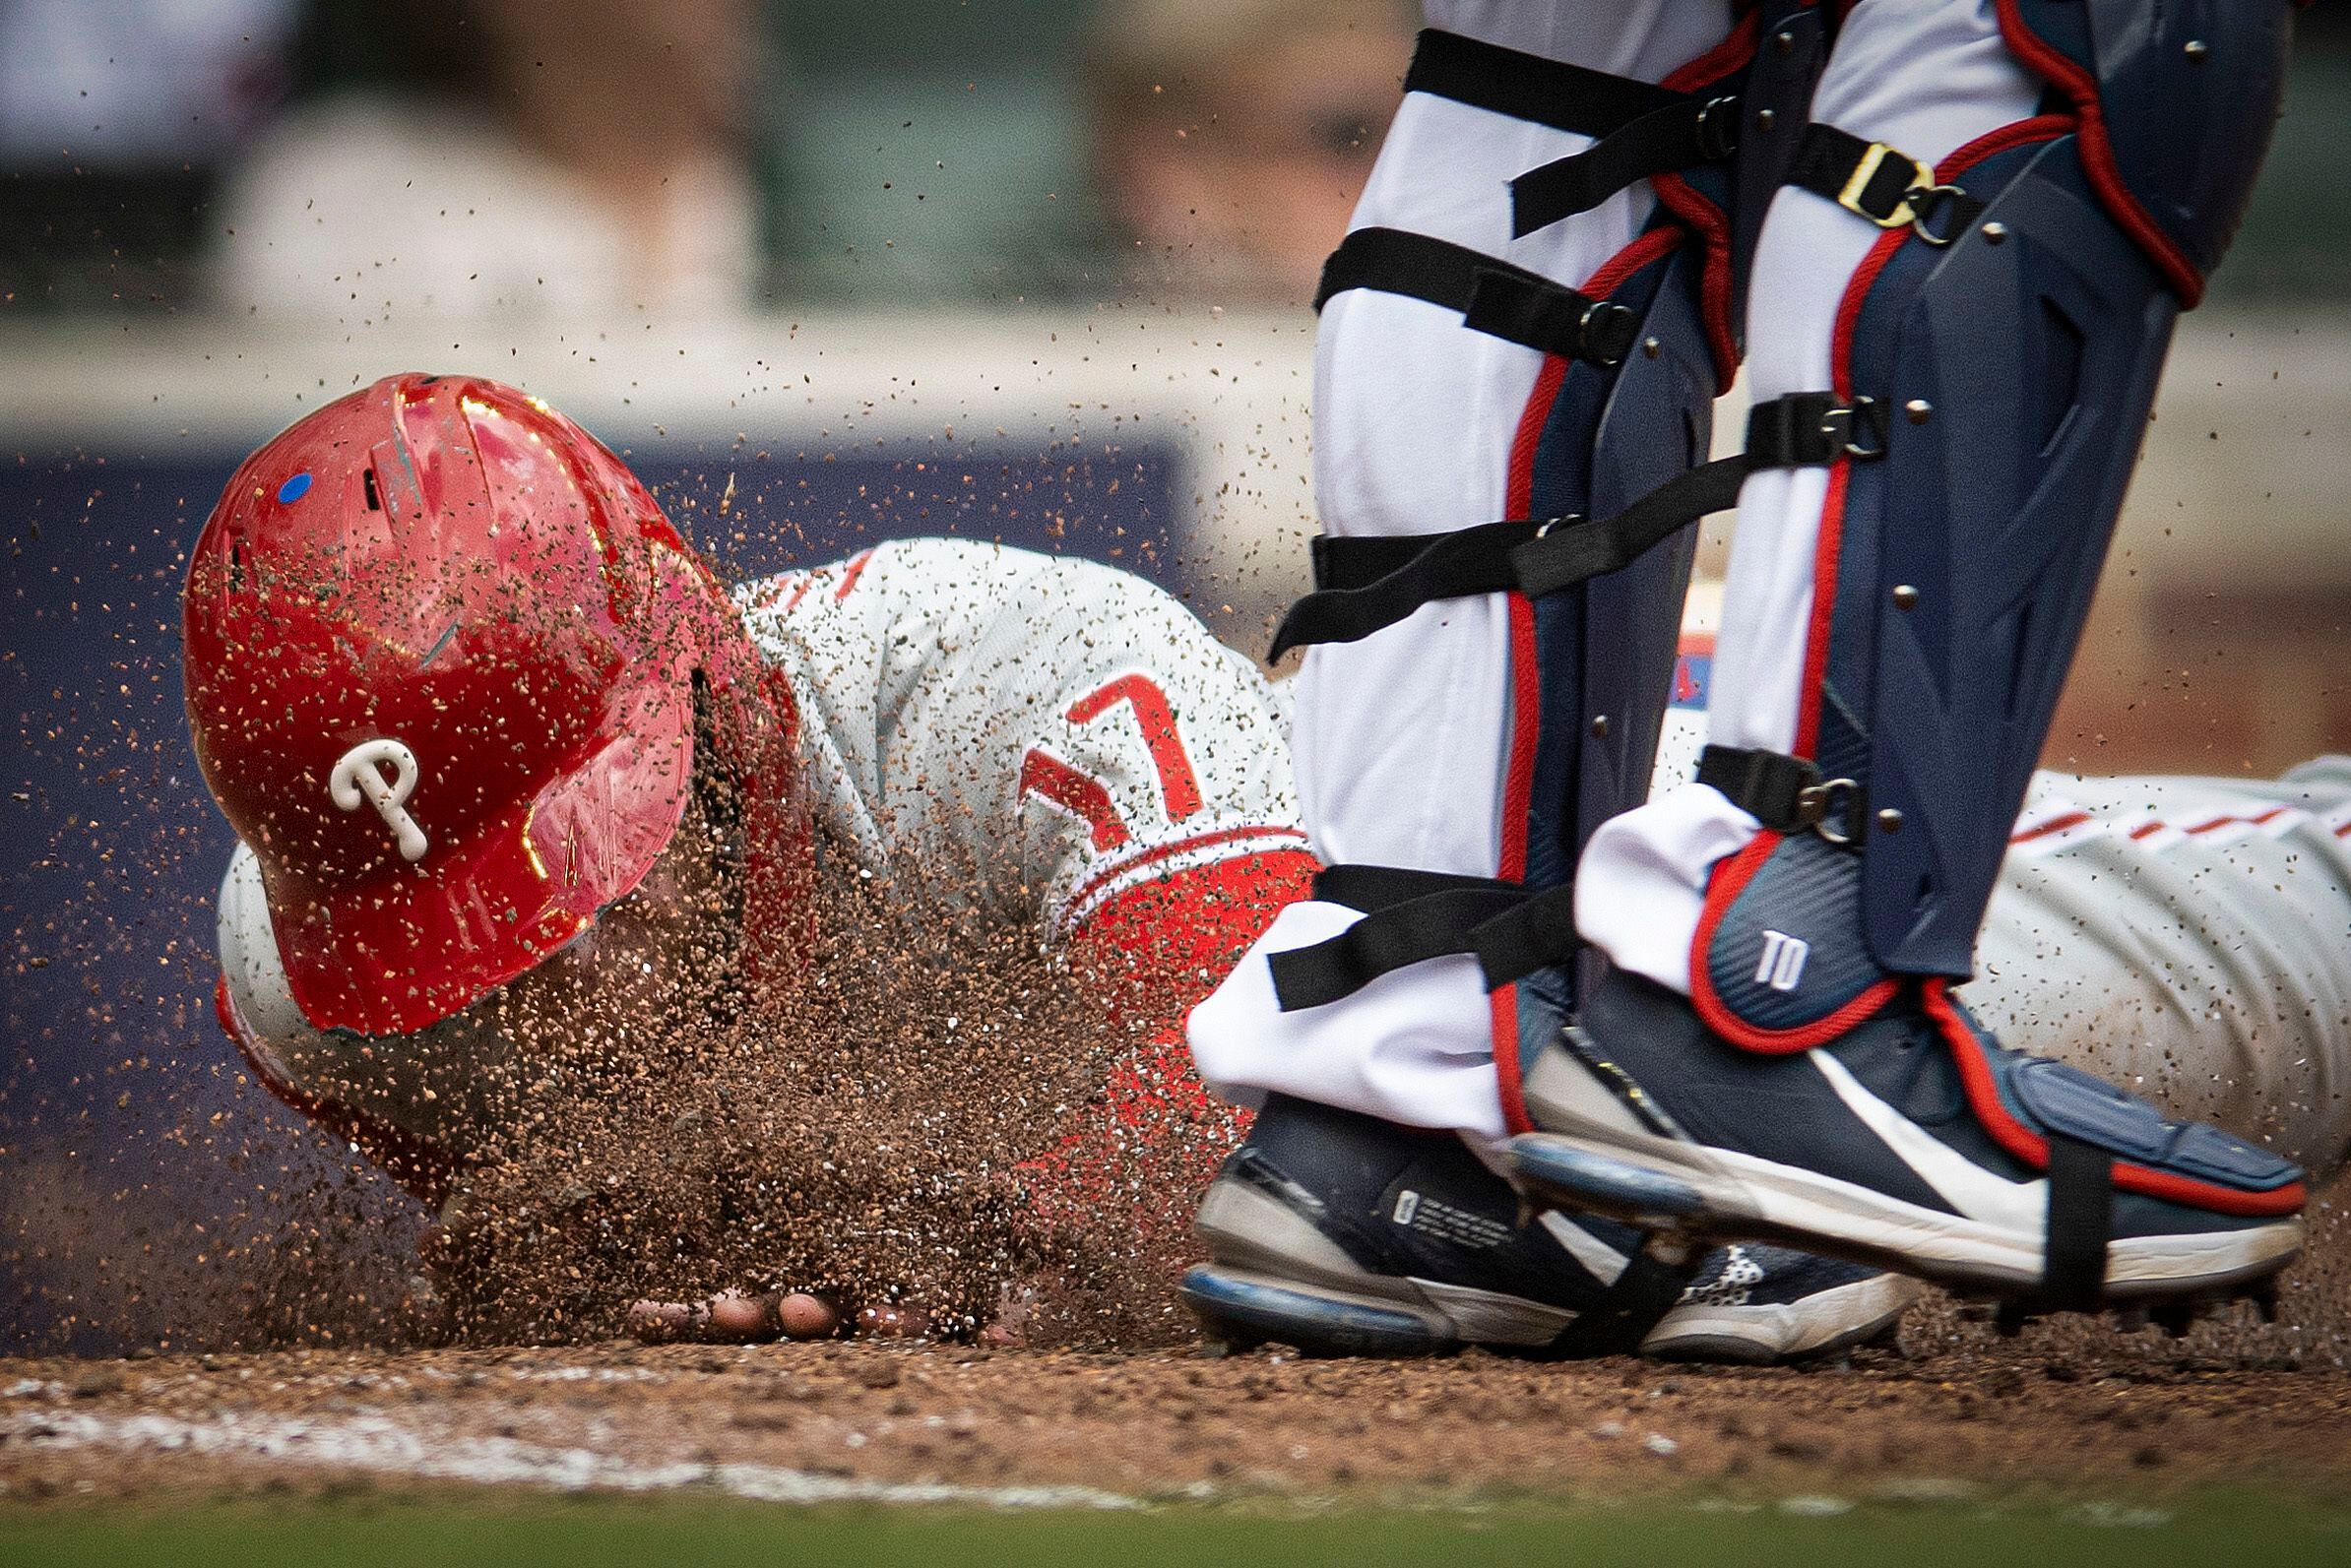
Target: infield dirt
x,y
845,1422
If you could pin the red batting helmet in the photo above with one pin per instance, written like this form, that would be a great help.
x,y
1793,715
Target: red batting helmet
x,y
441,658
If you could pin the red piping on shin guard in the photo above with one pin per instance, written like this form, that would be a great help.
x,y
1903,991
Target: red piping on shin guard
x,y
1526,712
2020,1141
1714,280
1518,804
2098,154
1701,215
1646,247
1730,876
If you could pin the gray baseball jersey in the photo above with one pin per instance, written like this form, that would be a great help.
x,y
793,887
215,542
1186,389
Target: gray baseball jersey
x,y
1023,735
2188,939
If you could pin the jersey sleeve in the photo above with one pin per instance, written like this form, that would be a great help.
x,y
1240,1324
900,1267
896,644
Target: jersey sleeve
x,y
1136,749
1024,735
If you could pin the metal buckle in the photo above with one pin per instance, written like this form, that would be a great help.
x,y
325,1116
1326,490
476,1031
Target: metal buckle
x,y
1864,418
1850,198
1816,807
1718,127
1606,331
1929,203
1856,429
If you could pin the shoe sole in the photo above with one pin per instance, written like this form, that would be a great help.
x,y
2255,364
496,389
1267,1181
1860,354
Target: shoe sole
x,y
1275,1276
1277,1280
1722,1195
1824,1323
1244,1309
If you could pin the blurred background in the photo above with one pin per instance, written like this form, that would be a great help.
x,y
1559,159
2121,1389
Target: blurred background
x,y
1031,270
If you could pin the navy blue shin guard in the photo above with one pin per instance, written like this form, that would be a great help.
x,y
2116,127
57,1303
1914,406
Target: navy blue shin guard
x,y
2014,354
1603,650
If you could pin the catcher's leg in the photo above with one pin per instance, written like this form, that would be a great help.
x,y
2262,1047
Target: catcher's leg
x,y
1454,755
1993,266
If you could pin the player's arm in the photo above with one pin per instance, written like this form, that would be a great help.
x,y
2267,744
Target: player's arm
x,y
1157,816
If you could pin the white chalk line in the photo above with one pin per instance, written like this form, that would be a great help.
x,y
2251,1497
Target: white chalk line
x,y
379,1445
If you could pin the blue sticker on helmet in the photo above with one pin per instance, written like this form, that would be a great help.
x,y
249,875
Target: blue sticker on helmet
x,y
294,489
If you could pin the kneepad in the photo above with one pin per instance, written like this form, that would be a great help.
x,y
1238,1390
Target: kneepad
x,y
2176,101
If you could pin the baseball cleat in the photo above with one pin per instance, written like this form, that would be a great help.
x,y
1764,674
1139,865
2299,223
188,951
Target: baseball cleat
x,y
1342,1234
1912,1141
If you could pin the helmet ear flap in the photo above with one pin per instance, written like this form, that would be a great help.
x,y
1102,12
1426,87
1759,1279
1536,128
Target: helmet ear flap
x,y
258,1008
258,1011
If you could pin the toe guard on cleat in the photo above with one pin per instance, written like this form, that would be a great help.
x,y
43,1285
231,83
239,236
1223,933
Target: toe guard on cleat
x,y
2064,1101
1553,1169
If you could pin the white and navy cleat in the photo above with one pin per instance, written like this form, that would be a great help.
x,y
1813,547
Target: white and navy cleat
x,y
1342,1235
1912,1141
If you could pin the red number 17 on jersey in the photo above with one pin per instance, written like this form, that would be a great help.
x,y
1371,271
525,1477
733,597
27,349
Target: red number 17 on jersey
x,y
1083,796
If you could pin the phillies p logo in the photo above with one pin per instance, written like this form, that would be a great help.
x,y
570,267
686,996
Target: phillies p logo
x,y
356,779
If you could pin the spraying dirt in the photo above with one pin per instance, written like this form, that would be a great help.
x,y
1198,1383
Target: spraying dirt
x,y
873,1138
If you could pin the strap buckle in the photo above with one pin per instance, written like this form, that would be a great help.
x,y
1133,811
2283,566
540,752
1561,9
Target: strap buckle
x,y
1831,808
1606,331
1854,198
1857,428
1939,213
1717,127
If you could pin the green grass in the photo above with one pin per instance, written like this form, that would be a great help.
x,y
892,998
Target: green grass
x,y
589,1531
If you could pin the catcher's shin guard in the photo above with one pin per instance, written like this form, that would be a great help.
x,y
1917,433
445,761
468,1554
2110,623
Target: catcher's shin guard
x,y
2005,333
1592,657
1598,563
2175,106
2011,328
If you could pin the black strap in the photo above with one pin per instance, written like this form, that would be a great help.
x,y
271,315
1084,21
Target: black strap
x,y
1417,916
1695,129
2080,1220
1812,429
1768,785
1639,129
1494,296
1430,926
1527,87
1881,183
1634,1302
1359,560
1560,557
1376,886
1786,793
1467,561
1535,935
1366,583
